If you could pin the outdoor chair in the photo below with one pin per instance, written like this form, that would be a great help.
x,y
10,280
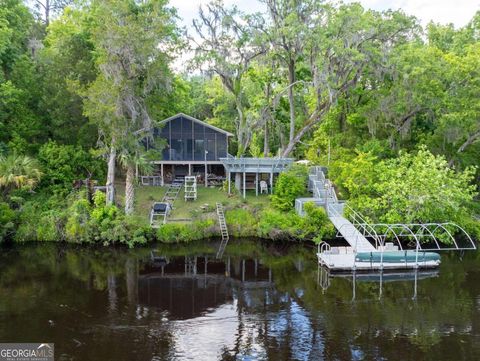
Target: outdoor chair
x,y
263,187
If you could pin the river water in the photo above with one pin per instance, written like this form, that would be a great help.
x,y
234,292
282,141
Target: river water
x,y
258,301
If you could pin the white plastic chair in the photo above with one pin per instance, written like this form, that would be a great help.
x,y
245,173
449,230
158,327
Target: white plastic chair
x,y
263,187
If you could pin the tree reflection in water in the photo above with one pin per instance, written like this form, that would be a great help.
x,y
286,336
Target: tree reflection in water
x,y
260,301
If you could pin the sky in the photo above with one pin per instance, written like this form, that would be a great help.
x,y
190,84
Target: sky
x,y
458,12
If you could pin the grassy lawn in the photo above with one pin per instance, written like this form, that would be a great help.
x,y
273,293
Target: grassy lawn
x,y
146,195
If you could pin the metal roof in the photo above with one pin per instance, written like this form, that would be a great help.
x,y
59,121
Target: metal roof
x,y
196,121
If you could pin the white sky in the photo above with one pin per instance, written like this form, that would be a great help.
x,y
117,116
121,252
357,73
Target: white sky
x,y
458,12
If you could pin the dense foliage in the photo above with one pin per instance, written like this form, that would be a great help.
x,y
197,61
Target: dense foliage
x,y
391,108
290,185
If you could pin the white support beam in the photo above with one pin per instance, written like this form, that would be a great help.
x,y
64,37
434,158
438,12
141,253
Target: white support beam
x,y
244,185
162,182
229,180
271,182
206,176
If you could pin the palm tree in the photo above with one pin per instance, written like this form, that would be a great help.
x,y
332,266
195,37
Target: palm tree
x,y
18,171
131,162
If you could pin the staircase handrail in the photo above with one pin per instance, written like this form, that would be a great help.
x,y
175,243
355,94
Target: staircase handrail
x,y
367,228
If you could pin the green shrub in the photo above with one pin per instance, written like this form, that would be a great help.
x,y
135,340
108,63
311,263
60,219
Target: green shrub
x,y
37,224
49,228
241,222
278,225
127,230
77,225
7,218
316,225
290,185
63,164
101,211
175,232
179,232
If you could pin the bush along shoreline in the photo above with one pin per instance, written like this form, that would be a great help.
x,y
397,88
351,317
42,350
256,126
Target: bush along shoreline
x,y
55,214
83,223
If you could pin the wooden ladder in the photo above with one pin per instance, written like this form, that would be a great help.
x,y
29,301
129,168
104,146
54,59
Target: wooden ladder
x,y
172,191
223,230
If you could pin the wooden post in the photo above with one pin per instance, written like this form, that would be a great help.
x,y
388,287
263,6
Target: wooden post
x,y
189,169
161,175
244,185
256,184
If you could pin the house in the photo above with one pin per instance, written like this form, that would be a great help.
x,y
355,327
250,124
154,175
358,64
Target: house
x,y
193,147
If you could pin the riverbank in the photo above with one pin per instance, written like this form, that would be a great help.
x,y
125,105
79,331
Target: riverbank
x,y
71,218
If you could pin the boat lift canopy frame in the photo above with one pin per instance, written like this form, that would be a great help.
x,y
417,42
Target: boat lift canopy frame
x,y
430,232
436,234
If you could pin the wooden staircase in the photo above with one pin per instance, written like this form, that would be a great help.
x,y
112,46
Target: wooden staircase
x,y
223,230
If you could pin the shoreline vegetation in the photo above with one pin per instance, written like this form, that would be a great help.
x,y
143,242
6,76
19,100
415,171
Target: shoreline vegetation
x,y
391,108
74,219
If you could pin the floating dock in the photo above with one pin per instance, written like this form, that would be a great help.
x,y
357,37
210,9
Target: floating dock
x,y
349,261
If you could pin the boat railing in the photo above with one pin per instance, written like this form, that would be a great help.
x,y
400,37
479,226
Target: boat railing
x,y
324,247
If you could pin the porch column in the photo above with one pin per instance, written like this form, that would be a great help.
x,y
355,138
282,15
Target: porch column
x,y
206,173
189,169
271,182
256,184
244,185
229,180
162,182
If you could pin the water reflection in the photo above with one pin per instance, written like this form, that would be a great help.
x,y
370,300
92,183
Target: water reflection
x,y
324,277
259,301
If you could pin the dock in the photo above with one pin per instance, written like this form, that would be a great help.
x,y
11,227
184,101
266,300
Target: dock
x,y
377,246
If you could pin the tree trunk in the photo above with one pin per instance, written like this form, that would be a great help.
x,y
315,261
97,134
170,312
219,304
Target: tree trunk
x,y
242,146
129,189
266,147
47,12
291,100
470,140
111,175
266,116
314,119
